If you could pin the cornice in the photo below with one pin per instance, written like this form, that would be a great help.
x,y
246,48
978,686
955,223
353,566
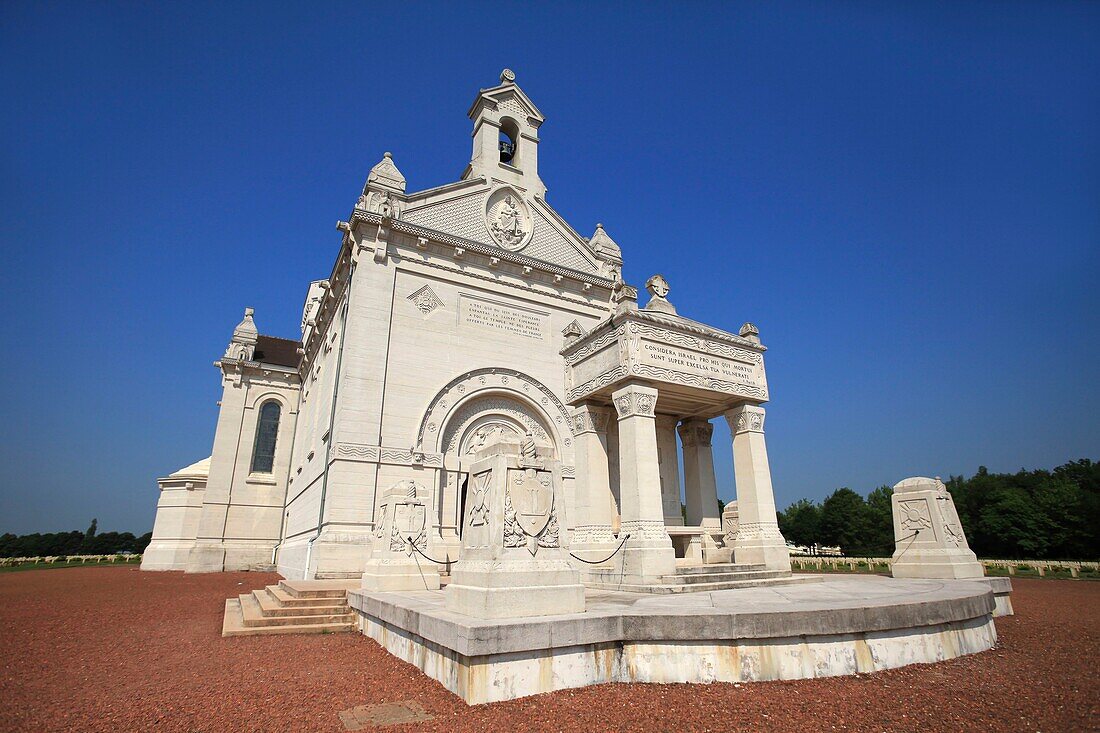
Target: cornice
x,y
471,245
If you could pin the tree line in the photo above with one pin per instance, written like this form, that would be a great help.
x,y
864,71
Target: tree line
x,y
88,542
1040,515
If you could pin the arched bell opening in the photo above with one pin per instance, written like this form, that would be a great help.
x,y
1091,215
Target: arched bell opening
x,y
508,143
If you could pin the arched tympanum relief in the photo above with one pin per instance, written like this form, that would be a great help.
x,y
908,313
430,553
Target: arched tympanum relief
x,y
504,392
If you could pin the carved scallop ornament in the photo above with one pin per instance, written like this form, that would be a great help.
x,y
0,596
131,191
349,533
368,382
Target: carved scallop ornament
x,y
508,219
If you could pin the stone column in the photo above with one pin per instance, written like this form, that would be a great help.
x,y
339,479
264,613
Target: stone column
x,y
758,540
647,554
700,489
670,469
592,536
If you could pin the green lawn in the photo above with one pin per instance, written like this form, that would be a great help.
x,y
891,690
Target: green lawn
x,y
49,566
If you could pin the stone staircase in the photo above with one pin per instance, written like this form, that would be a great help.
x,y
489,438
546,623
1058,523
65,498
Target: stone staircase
x,y
701,578
291,607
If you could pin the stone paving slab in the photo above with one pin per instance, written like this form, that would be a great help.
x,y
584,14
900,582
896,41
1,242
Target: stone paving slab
x,y
836,605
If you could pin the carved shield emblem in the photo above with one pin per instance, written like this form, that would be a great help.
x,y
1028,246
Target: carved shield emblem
x,y
409,522
532,494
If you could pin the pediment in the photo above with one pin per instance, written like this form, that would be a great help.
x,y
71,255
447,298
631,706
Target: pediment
x,y
508,98
502,216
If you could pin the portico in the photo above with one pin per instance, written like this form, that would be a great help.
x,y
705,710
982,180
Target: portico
x,y
662,374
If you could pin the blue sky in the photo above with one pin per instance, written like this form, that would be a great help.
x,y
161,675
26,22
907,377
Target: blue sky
x,y
904,197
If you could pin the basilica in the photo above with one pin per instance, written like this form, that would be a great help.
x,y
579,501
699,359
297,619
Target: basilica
x,y
455,319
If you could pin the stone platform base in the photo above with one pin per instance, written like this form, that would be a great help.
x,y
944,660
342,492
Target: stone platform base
x,y
837,626
1002,595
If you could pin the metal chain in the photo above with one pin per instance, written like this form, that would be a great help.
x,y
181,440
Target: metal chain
x,y
613,554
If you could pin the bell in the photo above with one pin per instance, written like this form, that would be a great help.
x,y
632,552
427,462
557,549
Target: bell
x,y
507,150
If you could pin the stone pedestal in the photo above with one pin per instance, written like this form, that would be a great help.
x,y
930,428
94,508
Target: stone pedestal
x,y
669,460
513,561
928,535
395,564
593,538
647,555
758,541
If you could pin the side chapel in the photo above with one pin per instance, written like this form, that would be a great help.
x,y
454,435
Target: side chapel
x,y
459,317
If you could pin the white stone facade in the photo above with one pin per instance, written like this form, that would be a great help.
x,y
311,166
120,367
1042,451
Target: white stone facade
x,y
452,319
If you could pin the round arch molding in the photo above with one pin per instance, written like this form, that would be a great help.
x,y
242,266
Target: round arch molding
x,y
479,384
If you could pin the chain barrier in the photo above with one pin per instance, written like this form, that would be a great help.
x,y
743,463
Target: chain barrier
x,y
598,562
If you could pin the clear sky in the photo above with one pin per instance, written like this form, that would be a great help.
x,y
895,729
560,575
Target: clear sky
x,y
904,197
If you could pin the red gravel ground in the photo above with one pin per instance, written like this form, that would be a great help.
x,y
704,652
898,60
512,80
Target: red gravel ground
x,y
115,649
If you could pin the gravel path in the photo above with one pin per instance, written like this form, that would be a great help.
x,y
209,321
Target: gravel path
x,y
115,649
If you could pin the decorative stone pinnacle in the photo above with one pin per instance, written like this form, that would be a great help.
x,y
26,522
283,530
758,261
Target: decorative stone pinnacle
x,y
507,77
249,312
658,291
387,154
657,286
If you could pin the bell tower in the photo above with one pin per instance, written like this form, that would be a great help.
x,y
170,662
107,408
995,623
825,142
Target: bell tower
x,y
506,142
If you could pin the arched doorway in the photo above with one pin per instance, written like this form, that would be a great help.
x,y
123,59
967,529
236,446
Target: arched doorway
x,y
474,410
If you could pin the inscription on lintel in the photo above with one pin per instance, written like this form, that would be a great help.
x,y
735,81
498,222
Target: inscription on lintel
x,y
693,362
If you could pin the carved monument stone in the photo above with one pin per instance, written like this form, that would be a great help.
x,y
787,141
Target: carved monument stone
x,y
400,541
928,534
513,560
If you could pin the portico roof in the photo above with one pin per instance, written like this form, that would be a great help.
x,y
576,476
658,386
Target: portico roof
x,y
698,370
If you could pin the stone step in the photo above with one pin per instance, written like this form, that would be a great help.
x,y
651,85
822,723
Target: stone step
x,y
724,567
318,588
271,606
254,616
665,588
233,625
287,600
696,578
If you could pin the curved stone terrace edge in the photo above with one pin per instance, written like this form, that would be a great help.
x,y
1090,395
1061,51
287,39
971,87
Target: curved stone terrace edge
x,y
834,606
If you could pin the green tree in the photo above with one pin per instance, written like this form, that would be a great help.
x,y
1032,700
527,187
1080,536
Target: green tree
x,y
845,522
879,540
801,523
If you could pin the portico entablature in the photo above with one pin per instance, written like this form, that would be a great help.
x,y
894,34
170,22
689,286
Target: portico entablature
x,y
699,370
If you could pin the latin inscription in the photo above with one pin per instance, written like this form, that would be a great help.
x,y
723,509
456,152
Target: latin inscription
x,y
684,360
488,314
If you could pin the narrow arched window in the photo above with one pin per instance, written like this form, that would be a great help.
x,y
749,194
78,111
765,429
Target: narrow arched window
x,y
267,430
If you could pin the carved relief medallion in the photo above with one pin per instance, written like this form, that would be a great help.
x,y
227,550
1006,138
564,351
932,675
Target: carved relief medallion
x,y
508,219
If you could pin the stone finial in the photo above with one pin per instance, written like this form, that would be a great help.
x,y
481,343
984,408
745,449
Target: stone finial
x,y
243,344
572,332
658,295
607,252
750,331
507,76
527,448
385,175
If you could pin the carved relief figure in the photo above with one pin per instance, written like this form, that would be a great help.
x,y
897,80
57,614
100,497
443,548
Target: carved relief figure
x,y
507,226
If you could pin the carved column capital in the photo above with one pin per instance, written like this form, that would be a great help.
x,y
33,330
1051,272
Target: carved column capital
x,y
635,400
745,419
589,419
695,433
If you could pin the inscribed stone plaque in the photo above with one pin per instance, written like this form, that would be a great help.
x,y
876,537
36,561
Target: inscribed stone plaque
x,y
688,361
483,315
